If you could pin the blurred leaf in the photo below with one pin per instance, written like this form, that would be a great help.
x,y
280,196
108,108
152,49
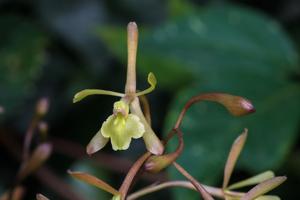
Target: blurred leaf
x,y
148,12
237,51
207,45
22,47
228,49
115,37
75,24
180,7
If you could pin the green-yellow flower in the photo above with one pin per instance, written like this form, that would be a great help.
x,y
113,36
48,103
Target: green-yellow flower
x,y
119,127
122,126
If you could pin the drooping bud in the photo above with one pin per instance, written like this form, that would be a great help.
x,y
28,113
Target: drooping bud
x,y
156,163
236,105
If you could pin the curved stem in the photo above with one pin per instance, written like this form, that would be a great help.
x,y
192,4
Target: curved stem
x,y
237,106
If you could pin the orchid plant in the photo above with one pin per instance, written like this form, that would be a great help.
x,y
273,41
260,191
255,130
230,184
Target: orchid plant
x,y
131,120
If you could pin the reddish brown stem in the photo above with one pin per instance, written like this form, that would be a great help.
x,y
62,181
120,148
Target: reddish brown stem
x,y
197,185
44,175
131,174
28,137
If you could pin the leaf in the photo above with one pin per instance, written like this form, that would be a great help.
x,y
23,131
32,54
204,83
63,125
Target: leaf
x,y
252,180
268,197
75,24
263,188
92,180
21,57
233,156
225,49
222,54
86,190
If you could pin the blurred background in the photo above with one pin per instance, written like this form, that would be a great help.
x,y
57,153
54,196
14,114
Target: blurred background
x,y
55,48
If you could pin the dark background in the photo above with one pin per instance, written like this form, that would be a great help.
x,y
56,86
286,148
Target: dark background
x,y
55,48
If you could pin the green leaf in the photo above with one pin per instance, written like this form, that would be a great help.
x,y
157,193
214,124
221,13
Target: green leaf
x,y
252,180
237,51
207,44
225,49
21,56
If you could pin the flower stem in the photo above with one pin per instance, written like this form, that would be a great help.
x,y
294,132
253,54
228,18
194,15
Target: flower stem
x,y
132,42
217,192
131,174
205,195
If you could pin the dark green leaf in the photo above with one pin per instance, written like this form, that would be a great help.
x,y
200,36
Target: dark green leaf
x,y
21,57
224,49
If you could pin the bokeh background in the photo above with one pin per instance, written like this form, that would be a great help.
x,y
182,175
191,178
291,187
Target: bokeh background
x,y
54,48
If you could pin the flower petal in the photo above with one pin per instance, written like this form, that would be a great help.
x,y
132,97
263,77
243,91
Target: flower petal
x,y
115,129
121,129
134,127
108,127
152,81
120,141
96,143
87,92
